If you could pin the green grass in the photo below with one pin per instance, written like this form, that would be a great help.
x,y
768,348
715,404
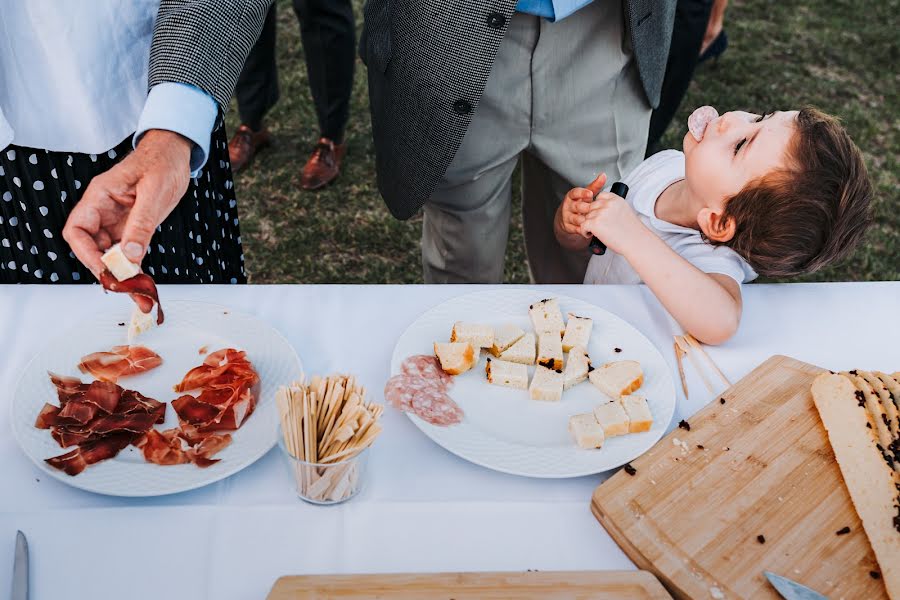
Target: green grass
x,y
838,55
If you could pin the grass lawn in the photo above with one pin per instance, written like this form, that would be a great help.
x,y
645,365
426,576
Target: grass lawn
x,y
835,55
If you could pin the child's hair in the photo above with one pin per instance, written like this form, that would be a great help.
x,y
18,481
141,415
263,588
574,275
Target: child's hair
x,y
801,218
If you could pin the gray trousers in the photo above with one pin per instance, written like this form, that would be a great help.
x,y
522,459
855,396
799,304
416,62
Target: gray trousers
x,y
567,97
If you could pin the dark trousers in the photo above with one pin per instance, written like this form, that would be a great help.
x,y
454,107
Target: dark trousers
x,y
328,36
691,19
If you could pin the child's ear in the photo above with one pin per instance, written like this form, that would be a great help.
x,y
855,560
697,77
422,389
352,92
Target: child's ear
x,y
714,226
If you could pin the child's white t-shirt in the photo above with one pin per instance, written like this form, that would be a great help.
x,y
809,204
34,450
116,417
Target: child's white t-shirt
x,y
645,185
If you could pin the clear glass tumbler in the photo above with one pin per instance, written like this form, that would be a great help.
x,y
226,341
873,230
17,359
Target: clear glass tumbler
x,y
325,483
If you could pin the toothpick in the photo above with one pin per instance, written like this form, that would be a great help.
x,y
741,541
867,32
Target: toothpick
x,y
696,345
678,352
685,347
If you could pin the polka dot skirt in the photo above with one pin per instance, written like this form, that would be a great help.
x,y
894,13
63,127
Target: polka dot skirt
x,y
199,242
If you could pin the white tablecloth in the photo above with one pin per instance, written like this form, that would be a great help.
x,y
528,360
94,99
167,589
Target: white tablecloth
x,y
423,509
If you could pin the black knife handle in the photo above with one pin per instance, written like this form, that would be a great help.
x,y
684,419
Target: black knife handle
x,y
619,189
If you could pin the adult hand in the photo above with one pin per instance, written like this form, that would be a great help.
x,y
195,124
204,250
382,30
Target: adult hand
x,y
715,24
576,204
128,202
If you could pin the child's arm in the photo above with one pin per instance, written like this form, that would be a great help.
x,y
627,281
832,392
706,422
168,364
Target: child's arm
x,y
571,213
708,306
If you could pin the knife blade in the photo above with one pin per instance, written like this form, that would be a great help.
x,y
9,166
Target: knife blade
x,y
791,590
20,569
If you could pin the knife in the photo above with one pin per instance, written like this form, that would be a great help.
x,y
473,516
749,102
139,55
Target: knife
x,y
598,247
20,569
791,590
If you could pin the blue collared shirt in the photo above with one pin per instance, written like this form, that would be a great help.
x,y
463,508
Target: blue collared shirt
x,y
552,10
184,109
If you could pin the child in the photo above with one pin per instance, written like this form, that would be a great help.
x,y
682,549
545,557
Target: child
x,y
779,194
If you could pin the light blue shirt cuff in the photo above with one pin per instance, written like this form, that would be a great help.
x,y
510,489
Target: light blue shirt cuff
x,y
184,109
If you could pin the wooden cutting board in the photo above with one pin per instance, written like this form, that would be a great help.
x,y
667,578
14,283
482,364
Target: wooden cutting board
x,y
692,516
532,585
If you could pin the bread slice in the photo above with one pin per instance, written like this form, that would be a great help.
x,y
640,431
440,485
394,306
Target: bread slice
x,y
578,365
480,336
550,352
455,357
866,397
578,332
872,483
892,406
546,384
639,416
588,433
510,374
546,316
504,337
140,322
612,418
522,351
119,264
617,379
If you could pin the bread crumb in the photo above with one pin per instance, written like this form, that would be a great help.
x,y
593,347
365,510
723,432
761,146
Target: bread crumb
x,y
716,593
681,444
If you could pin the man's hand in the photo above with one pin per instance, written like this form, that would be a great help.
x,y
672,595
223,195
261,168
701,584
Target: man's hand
x,y
612,220
127,203
577,204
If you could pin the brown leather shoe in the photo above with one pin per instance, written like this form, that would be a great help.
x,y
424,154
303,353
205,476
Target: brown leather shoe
x,y
244,145
324,164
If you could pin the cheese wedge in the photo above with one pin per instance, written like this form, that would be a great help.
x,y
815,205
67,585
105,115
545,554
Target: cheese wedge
x,y
546,384
140,322
480,336
578,365
874,486
578,332
510,374
546,316
612,418
455,357
639,416
588,433
504,337
550,352
522,351
118,264
617,379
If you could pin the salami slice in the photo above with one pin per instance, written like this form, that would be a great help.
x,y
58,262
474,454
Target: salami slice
x,y
427,367
699,120
425,398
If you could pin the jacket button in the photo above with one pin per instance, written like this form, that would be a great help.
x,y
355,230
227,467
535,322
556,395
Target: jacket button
x,y
462,107
496,21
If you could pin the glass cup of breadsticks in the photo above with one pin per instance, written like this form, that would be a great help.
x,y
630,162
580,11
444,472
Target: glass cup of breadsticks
x,y
326,430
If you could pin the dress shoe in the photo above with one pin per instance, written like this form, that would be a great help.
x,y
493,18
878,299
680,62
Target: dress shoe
x,y
244,145
323,165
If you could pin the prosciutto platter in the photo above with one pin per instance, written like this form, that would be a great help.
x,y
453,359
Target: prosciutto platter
x,y
215,377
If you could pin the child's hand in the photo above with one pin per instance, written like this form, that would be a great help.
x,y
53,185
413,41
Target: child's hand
x,y
577,204
612,220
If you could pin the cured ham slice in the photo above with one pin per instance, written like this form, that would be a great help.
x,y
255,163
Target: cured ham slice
x,y
229,391
121,361
141,284
89,453
171,448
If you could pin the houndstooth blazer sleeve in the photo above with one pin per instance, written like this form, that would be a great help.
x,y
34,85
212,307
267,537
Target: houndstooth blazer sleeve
x,y
204,43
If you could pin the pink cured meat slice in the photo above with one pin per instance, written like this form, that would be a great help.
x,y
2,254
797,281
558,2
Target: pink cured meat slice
x,y
423,397
427,367
699,119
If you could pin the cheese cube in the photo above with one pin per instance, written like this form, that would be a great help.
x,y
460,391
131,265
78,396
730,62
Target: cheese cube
x,y
639,416
588,433
480,336
546,316
550,352
510,374
578,366
455,357
119,264
616,379
578,332
140,322
612,417
522,351
504,337
546,384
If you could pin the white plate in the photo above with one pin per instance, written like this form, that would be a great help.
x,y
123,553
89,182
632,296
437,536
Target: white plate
x,y
188,327
503,428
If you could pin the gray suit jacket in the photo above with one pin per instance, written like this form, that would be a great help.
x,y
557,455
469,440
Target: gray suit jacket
x,y
204,43
428,62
